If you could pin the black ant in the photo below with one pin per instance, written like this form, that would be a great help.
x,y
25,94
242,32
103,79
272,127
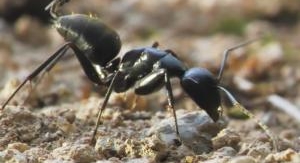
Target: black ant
x,y
145,69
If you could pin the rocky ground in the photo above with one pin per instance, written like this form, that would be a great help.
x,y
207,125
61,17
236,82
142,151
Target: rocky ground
x,y
52,121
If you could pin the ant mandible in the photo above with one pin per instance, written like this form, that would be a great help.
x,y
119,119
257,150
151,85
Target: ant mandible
x,y
145,69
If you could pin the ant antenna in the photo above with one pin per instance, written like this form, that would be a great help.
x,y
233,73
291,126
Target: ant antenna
x,y
252,116
226,53
52,7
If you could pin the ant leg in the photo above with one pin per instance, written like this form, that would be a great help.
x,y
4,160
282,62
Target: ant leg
x,y
53,59
31,91
106,98
171,101
37,71
48,68
252,116
87,66
153,82
227,52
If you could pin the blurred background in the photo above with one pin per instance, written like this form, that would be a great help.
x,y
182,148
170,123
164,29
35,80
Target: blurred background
x,y
197,30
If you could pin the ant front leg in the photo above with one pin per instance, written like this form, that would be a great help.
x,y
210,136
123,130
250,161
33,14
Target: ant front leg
x,y
152,83
171,103
102,108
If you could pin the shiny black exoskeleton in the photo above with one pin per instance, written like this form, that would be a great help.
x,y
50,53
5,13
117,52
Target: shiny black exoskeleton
x,y
145,69
148,69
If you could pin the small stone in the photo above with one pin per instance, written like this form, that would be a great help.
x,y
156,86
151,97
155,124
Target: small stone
x,y
77,153
135,160
288,155
21,147
226,151
261,150
132,148
26,125
12,155
154,148
70,116
37,154
64,125
196,130
242,159
288,134
189,159
109,147
226,137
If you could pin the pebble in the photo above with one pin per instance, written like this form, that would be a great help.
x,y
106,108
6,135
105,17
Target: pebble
x,y
261,150
225,151
110,147
288,155
226,137
21,147
149,147
196,130
242,159
37,155
76,153
22,122
12,155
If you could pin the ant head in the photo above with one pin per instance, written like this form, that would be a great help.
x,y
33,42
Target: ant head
x,y
202,87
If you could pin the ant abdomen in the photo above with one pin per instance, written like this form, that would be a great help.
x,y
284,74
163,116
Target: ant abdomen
x,y
95,39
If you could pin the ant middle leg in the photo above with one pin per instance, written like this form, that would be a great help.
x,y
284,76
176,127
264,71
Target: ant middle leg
x,y
102,108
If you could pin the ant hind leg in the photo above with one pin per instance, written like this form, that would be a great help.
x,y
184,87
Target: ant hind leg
x,y
60,52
